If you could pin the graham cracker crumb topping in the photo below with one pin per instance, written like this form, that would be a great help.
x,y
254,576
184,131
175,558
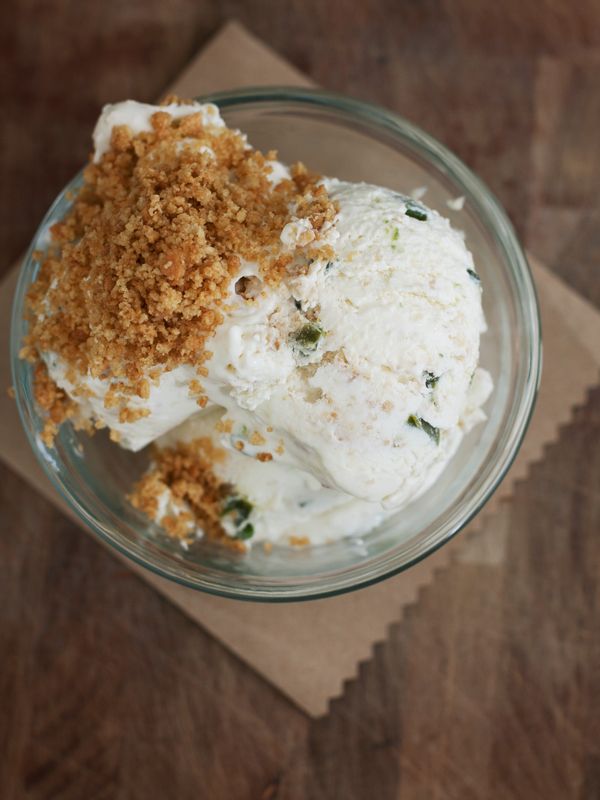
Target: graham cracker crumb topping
x,y
186,472
54,401
140,266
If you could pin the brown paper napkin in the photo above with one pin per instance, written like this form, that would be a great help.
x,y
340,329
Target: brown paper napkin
x,y
309,649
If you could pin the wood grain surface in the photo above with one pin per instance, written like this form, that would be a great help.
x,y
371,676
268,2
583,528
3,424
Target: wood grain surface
x,y
489,687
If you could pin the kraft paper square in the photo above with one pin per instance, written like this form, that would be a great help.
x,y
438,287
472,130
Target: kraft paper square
x,y
309,649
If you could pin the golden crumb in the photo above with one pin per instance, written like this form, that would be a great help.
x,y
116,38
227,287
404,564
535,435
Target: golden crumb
x,y
130,415
239,445
280,449
257,439
224,425
147,492
178,526
49,432
142,389
53,400
264,457
83,391
299,541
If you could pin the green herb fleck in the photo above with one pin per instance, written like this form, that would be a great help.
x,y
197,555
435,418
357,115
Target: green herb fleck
x,y
431,380
415,211
396,234
426,427
474,275
328,266
247,532
307,337
239,508
297,303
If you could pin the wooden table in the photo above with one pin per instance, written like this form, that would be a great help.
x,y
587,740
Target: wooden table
x,y
489,687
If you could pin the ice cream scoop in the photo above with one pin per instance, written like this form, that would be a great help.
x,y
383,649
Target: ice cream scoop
x,y
366,364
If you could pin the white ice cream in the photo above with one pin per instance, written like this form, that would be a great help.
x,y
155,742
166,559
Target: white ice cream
x,y
367,416
400,308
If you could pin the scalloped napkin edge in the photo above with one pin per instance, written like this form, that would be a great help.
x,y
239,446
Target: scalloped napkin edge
x,y
309,650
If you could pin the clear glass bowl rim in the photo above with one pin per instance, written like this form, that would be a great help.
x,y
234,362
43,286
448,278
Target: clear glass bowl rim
x,y
497,223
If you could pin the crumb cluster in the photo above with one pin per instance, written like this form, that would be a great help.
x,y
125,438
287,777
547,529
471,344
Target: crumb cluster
x,y
56,404
138,270
184,473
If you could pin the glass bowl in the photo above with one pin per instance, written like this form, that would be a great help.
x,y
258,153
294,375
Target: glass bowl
x,y
355,141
